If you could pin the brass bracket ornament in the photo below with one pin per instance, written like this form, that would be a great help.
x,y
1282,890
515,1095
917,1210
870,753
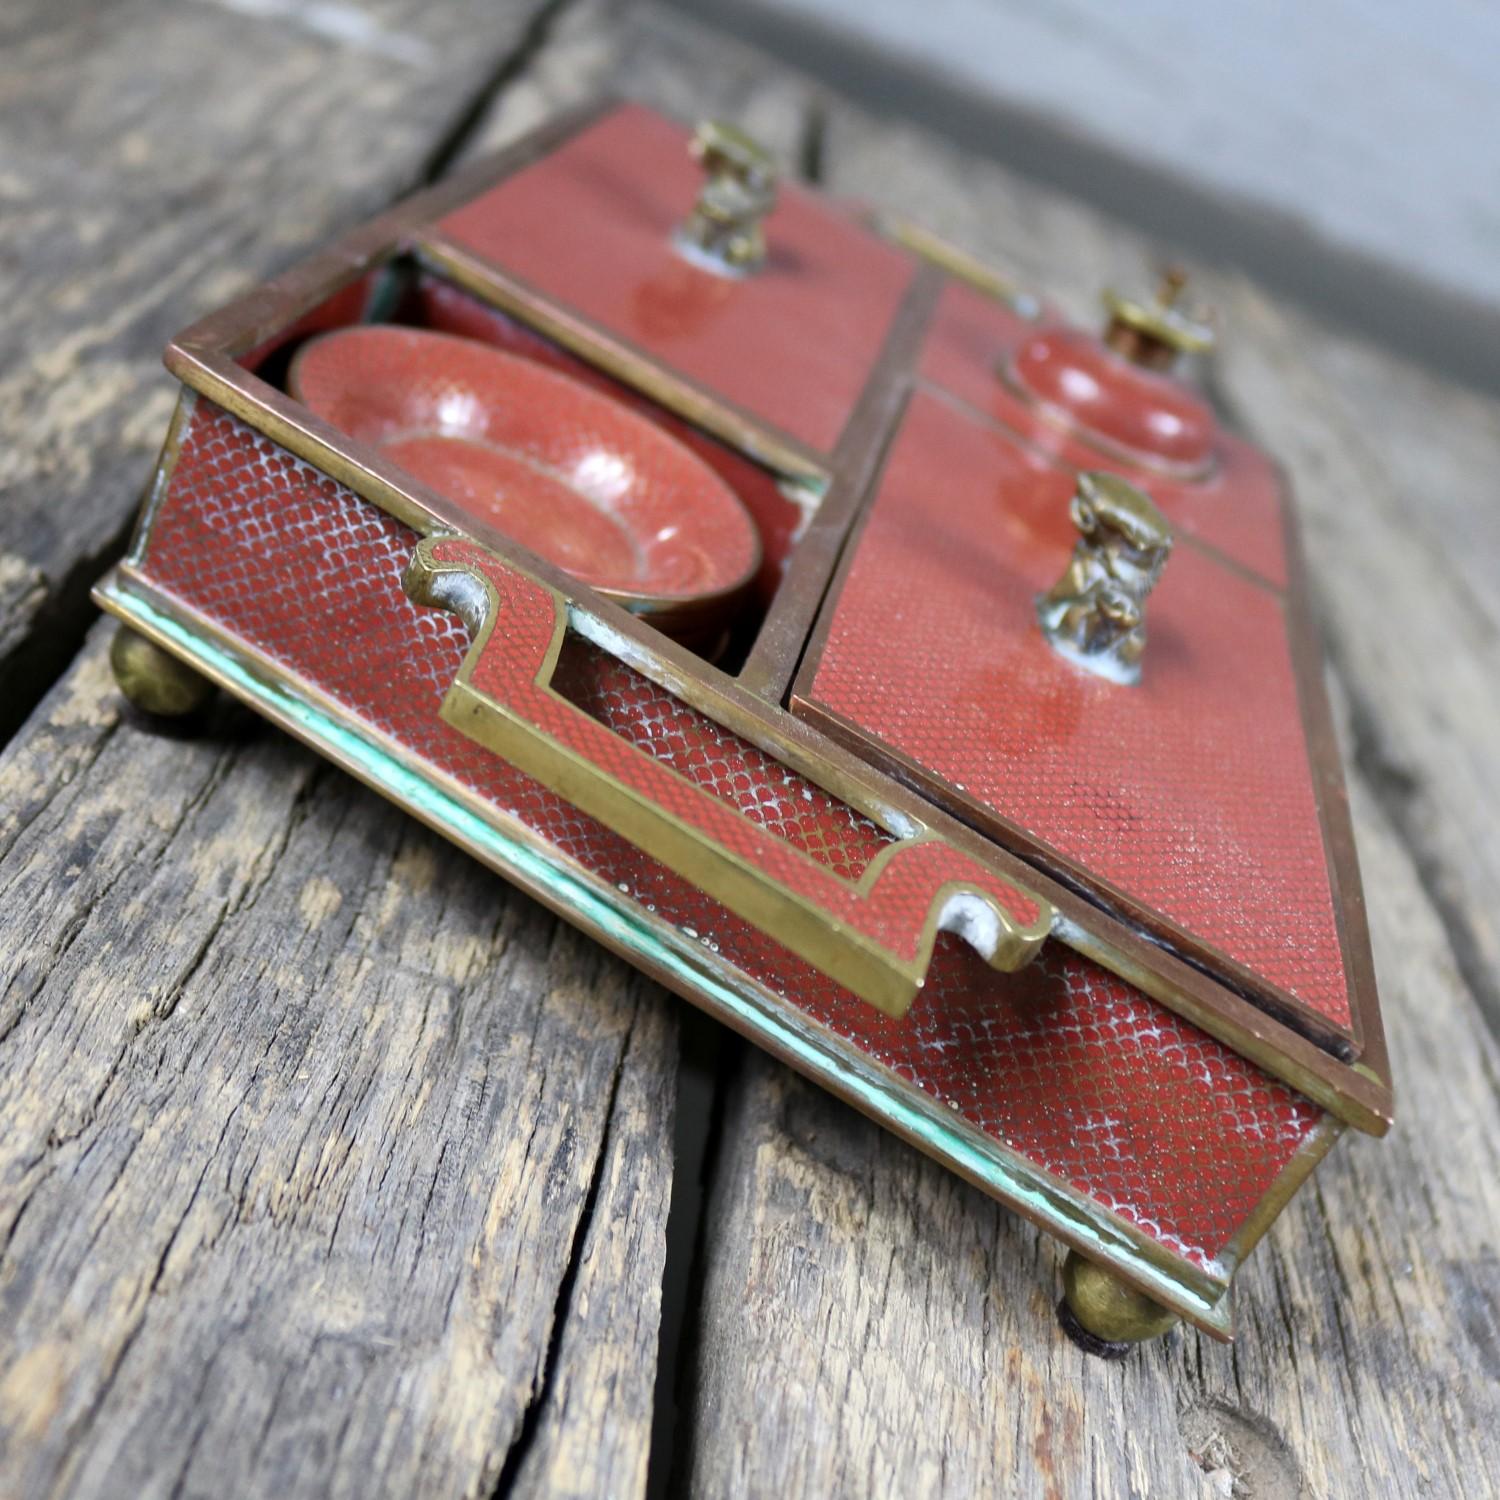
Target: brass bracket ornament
x,y
1095,613
724,232
873,934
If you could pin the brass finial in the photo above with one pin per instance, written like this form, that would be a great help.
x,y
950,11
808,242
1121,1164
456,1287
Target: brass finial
x,y
723,233
1110,1314
1155,333
155,681
1095,613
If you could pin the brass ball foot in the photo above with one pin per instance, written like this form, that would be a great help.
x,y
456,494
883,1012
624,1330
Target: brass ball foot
x,y
1104,1316
153,680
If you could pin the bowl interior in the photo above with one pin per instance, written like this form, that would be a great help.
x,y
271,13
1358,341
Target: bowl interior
x,y
561,468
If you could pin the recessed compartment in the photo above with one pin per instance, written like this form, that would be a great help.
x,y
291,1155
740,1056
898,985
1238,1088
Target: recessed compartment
x,y
568,402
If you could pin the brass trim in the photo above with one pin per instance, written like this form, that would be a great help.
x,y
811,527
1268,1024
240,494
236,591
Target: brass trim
x,y
687,968
863,966
772,663
960,264
166,464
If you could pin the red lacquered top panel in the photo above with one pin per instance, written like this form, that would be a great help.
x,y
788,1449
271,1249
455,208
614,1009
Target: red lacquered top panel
x,y
591,228
1190,795
1235,507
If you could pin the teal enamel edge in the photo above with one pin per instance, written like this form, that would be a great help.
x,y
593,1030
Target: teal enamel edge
x,y
1007,1177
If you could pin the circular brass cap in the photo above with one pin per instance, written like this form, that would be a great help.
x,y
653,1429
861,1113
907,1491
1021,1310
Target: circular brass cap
x,y
153,680
1104,1307
1161,320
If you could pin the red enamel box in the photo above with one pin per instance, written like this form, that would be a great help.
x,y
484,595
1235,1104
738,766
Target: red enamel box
x,y
922,686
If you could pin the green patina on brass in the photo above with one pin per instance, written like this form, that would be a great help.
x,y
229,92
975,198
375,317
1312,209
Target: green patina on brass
x,y
1196,1296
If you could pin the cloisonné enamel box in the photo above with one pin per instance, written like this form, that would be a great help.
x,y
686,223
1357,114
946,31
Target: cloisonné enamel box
x,y
921,685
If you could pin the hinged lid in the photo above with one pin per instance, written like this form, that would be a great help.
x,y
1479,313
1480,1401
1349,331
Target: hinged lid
x,y
598,229
1203,802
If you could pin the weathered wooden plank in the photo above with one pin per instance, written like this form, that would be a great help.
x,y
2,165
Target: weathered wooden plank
x,y
867,1320
328,1163
156,158
646,52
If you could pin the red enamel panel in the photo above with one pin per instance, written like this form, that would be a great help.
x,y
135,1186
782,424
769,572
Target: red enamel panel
x,y
591,228
1190,794
1235,507
1064,1063
717,761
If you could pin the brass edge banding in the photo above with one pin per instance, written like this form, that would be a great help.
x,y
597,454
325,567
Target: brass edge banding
x,y
1358,1107
689,969
1291,1177
960,264
182,413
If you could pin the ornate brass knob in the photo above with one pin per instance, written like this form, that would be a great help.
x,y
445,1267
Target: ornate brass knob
x,y
1095,613
723,233
1154,333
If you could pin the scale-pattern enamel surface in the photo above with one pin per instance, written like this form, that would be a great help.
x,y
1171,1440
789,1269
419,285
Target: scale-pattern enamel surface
x,y
1189,795
792,344
755,784
1063,1063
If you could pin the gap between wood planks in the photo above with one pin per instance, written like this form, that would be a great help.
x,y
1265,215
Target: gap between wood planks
x,y
711,1059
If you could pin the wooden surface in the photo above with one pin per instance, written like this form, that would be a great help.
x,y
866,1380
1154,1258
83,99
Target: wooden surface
x,y
328,1165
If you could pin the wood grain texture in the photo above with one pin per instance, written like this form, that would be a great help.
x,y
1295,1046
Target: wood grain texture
x,y
328,1163
867,1321
157,158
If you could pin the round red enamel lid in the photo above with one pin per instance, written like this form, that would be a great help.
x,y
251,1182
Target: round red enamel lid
x,y
557,466
1120,407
